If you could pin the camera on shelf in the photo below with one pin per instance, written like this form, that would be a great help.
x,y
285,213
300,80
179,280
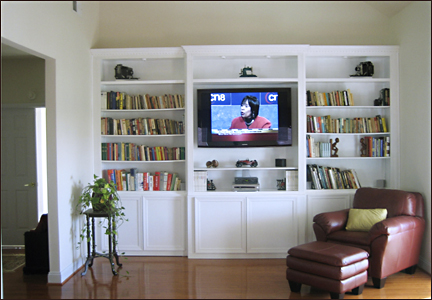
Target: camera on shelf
x,y
379,102
123,72
364,69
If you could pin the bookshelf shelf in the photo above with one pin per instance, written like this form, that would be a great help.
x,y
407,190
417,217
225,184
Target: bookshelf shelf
x,y
132,162
152,110
141,82
347,107
349,80
222,169
345,157
237,81
140,136
347,134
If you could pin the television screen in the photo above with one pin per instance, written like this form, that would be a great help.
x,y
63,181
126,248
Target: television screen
x,y
247,117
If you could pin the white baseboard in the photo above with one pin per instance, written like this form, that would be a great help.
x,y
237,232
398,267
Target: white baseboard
x,y
62,276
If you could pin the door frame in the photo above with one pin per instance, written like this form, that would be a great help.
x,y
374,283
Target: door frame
x,y
52,186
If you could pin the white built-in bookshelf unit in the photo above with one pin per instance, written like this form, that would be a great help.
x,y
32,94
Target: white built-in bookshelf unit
x,y
250,218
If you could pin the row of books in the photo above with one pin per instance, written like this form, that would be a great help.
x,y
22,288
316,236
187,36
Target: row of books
x,y
376,146
332,178
140,126
134,152
385,97
132,180
121,100
317,149
325,124
335,98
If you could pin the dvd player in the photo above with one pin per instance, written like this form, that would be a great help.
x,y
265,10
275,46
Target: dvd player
x,y
245,187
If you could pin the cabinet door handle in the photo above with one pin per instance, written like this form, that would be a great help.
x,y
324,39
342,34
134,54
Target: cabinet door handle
x,y
30,184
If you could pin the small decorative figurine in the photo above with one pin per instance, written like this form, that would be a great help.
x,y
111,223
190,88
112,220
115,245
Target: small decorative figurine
x,y
281,184
214,163
247,72
363,150
210,185
246,162
334,148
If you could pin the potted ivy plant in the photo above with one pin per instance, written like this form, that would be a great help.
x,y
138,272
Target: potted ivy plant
x,y
102,196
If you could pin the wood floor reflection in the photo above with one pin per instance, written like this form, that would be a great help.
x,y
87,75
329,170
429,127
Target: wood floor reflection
x,y
181,278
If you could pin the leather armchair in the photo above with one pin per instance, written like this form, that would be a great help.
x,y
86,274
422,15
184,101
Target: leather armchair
x,y
36,248
393,244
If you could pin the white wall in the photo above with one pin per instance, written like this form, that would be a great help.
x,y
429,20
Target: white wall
x,y
176,23
412,29
54,32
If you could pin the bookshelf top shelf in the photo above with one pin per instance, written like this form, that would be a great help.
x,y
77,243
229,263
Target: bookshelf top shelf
x,y
255,80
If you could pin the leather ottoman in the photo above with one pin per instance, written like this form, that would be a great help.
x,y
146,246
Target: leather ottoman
x,y
331,267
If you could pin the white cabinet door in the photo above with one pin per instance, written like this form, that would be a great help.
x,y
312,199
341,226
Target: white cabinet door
x,y
319,203
164,225
271,225
220,225
130,233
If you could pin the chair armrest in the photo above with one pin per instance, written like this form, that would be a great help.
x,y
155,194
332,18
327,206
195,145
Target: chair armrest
x,y
395,225
332,221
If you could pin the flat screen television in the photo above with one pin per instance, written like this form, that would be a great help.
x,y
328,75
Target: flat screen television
x,y
244,117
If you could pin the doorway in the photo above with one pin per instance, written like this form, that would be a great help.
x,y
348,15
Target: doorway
x,y
24,171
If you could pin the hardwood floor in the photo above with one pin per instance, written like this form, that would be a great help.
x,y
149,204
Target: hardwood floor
x,y
180,277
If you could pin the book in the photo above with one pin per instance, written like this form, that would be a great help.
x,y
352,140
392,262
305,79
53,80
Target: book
x,y
173,182
151,182
163,181
133,182
169,182
156,181
140,181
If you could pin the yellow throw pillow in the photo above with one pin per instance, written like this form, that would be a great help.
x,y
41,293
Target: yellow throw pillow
x,y
364,219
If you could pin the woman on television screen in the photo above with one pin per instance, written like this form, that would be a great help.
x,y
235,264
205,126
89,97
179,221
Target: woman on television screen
x,y
249,118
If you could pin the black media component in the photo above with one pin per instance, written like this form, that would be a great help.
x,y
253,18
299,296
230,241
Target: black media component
x,y
123,72
280,162
364,69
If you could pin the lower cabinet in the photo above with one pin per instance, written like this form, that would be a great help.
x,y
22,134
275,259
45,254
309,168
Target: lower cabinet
x,y
236,226
156,226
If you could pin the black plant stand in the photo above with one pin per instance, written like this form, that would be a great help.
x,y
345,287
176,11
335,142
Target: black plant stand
x,y
91,253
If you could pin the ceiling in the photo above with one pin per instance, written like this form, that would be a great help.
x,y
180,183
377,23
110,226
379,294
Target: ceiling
x,y
388,8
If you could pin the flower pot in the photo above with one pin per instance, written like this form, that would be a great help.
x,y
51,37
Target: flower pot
x,y
101,207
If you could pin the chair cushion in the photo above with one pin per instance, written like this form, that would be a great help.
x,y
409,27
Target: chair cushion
x,y
364,219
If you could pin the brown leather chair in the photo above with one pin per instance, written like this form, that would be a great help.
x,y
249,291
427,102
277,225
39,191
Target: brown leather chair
x,y
393,244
